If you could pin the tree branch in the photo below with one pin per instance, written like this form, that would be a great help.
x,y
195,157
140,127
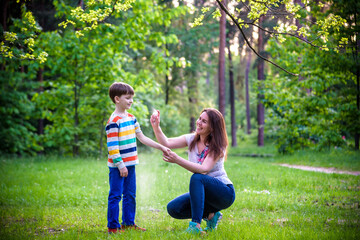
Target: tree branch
x,y
289,34
247,41
112,11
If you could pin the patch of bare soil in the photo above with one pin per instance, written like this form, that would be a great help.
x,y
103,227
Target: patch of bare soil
x,y
45,230
320,169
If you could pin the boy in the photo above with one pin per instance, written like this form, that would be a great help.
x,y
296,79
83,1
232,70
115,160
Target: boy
x,y
122,129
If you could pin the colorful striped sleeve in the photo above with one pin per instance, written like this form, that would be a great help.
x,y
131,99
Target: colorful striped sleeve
x,y
137,126
113,144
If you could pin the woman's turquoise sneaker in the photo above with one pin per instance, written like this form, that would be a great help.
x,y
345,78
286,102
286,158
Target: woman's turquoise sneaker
x,y
193,229
212,224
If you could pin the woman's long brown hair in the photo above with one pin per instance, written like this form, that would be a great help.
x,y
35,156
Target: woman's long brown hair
x,y
217,140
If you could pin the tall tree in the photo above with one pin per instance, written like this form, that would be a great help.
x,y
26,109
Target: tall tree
x,y
247,92
261,77
243,7
230,37
232,98
78,84
349,10
40,79
221,73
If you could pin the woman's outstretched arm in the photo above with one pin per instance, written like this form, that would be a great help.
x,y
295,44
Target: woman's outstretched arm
x,y
176,142
204,168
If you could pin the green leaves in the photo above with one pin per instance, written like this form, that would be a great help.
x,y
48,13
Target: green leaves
x,y
318,109
76,101
18,113
114,43
88,17
19,42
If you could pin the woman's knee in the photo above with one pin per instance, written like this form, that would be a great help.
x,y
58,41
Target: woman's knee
x,y
172,209
196,177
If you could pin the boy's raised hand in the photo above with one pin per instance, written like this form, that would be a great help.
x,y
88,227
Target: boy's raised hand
x,y
124,172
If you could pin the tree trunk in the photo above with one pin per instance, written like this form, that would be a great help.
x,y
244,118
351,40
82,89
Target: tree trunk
x,y
167,80
102,136
76,104
192,124
297,22
40,79
192,96
4,15
166,89
247,93
221,73
81,4
261,77
357,134
208,73
76,110
76,120
298,25
232,99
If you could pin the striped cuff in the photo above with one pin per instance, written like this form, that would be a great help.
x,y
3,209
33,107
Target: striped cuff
x,y
120,165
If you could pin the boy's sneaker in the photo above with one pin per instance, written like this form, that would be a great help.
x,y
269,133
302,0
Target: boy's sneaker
x,y
193,229
212,224
132,227
115,231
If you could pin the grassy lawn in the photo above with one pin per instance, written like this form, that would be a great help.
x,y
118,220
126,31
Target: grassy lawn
x,y
65,198
341,159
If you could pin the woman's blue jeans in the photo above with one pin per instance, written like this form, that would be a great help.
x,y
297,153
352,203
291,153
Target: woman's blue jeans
x,y
206,195
124,187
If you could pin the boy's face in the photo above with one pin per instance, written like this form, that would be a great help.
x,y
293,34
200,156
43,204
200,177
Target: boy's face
x,y
124,101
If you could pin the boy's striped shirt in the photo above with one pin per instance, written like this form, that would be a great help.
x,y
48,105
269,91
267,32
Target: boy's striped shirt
x,y
121,140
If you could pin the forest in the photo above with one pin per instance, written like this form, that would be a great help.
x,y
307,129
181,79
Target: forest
x,y
284,72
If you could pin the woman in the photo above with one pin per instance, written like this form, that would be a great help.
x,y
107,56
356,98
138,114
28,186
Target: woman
x,y
210,189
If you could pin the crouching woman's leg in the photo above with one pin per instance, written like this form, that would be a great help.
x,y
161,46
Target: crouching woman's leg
x,y
208,195
180,207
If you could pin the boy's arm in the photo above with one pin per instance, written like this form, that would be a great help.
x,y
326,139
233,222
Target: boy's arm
x,y
123,172
112,131
149,142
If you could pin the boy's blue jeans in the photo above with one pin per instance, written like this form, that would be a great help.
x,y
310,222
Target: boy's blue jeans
x,y
206,195
124,187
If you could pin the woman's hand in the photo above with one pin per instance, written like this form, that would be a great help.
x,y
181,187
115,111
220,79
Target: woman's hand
x,y
155,119
170,156
164,149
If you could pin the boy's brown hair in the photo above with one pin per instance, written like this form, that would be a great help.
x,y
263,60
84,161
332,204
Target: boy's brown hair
x,y
118,89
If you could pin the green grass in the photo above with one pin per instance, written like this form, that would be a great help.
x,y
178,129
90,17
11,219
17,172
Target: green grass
x,y
65,198
342,159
